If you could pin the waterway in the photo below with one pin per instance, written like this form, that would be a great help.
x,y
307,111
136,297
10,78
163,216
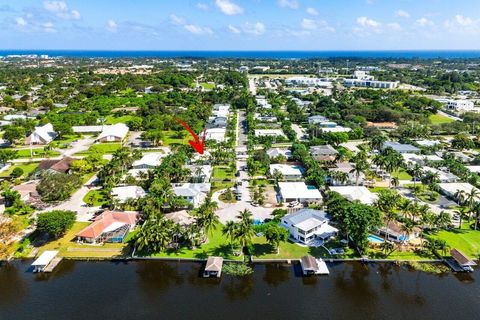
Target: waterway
x,y
175,290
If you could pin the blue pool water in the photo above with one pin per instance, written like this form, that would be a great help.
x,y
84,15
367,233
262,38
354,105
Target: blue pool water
x,y
374,239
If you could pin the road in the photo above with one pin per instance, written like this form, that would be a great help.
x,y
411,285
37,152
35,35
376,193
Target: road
x,y
252,87
229,211
76,204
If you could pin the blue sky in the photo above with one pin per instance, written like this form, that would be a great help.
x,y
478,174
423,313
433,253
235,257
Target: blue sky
x,y
240,24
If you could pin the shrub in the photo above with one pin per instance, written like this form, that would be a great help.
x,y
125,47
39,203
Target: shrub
x,y
17,172
237,269
55,223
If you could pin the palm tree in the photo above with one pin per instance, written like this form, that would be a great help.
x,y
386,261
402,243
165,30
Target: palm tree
x,y
359,167
230,231
387,247
416,172
462,213
245,230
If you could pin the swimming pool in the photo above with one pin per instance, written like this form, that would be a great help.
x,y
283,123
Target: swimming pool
x,y
375,239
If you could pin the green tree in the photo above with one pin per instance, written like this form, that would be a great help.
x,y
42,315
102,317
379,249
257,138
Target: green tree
x,y
55,223
57,186
274,235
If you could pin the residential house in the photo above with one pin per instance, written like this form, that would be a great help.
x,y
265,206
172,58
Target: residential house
x,y
193,193
444,177
346,169
181,217
316,119
275,152
42,135
217,134
394,231
149,160
356,193
269,133
400,147
288,172
113,133
300,192
307,226
200,173
451,190
123,194
110,226
323,153
60,166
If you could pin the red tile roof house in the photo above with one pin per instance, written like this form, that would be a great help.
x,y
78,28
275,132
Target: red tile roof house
x,y
110,226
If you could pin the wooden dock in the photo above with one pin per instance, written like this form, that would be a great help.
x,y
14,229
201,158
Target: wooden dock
x,y
52,264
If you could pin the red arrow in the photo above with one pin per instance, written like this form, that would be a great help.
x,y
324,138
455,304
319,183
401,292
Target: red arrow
x,y
197,145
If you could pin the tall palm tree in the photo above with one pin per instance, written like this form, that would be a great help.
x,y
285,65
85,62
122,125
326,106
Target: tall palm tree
x,y
245,231
416,172
230,231
462,213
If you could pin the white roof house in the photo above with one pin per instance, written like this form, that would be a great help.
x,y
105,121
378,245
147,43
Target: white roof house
x,y
299,191
308,225
269,132
149,160
473,169
217,134
442,175
115,132
288,172
194,193
42,135
451,189
87,129
412,158
122,194
275,152
359,193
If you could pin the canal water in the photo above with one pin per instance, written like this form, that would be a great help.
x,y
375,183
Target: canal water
x,y
174,290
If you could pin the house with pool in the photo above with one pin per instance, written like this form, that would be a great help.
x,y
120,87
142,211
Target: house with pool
x,y
309,227
395,231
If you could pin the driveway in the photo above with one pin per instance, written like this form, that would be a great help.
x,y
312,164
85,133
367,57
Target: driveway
x,y
76,204
78,146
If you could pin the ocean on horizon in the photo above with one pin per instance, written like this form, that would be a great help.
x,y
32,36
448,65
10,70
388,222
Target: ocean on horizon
x,y
398,54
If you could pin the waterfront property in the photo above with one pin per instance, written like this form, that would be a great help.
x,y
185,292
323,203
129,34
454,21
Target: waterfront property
x,y
44,261
110,226
395,231
308,226
462,261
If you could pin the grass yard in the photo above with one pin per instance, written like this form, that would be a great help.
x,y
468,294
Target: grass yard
x,y
123,119
207,85
222,172
465,240
37,153
217,245
402,175
219,185
290,250
439,119
68,248
171,137
95,198
26,167
102,148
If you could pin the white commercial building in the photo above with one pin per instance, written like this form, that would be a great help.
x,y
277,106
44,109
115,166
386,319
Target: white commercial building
x,y
460,105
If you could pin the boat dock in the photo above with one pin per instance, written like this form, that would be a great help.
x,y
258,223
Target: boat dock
x,y
213,267
312,266
47,261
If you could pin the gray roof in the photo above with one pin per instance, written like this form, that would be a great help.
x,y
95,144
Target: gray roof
x,y
323,150
400,147
305,214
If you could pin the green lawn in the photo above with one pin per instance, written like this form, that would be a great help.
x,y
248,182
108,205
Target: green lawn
x,y
439,119
37,153
123,119
402,175
103,148
207,85
26,167
465,240
65,141
69,248
95,198
223,172
171,137
290,250
217,245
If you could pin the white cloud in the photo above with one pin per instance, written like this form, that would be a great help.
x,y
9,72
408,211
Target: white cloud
x,y
463,25
256,29
198,30
21,22
48,27
111,26
61,10
312,11
202,6
402,13
424,22
229,7
174,19
233,29
292,4
309,24
369,23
